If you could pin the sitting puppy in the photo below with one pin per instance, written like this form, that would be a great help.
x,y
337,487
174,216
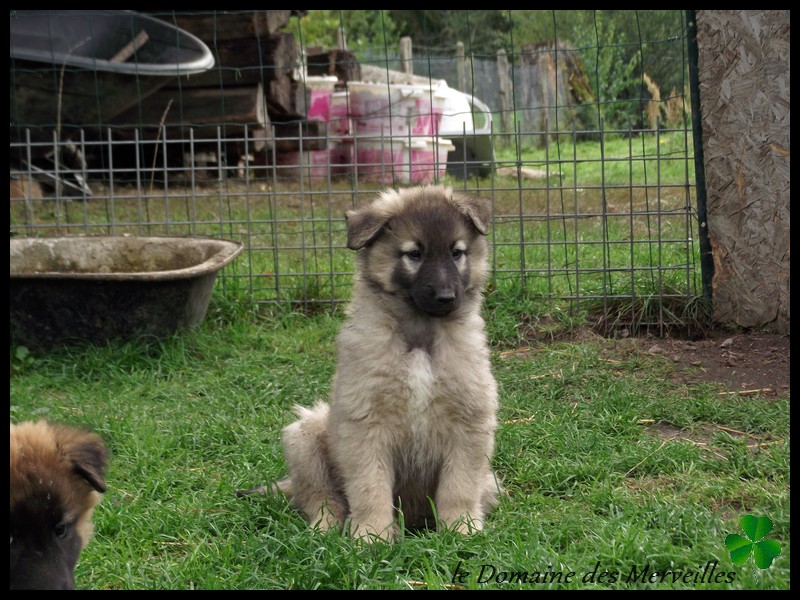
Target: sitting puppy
x,y
409,427
57,478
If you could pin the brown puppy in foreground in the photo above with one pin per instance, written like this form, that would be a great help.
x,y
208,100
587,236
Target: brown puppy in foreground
x,y
409,428
57,478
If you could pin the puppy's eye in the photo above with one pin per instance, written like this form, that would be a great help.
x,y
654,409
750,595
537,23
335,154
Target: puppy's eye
x,y
61,530
414,255
457,254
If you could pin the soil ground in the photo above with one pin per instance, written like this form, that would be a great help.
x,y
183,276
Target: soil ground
x,y
744,362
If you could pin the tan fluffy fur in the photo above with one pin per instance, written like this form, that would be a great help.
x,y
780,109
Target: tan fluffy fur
x,y
56,477
412,413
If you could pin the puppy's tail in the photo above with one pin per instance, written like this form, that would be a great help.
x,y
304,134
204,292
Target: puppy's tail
x,y
303,443
284,486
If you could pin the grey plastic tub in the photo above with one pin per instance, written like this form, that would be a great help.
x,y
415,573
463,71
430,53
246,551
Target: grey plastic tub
x,y
109,61
102,288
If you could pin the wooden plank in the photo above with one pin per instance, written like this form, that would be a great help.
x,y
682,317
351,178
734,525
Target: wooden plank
x,y
461,67
341,63
217,25
202,109
286,99
288,136
505,90
246,61
743,67
406,64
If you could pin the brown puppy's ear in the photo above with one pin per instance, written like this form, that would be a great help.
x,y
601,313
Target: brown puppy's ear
x,y
87,453
363,226
479,210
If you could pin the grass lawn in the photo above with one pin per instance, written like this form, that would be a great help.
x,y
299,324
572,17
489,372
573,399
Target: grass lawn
x,y
592,489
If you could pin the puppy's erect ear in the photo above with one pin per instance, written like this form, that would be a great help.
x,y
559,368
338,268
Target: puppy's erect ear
x,y
478,210
363,226
87,453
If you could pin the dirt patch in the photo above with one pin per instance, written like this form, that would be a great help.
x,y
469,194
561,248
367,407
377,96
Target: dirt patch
x,y
741,362
745,363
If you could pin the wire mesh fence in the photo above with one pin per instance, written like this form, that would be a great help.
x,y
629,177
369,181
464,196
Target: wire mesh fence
x,y
601,215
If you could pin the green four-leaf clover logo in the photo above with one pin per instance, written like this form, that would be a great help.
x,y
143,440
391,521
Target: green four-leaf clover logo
x,y
764,551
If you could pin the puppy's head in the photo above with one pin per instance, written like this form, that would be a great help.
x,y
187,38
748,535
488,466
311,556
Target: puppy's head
x,y
56,480
426,245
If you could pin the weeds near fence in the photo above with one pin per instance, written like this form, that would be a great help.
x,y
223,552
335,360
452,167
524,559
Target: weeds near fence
x,y
578,219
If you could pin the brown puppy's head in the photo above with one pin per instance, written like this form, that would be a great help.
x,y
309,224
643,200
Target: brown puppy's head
x,y
57,478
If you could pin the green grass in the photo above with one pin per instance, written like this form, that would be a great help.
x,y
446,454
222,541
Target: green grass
x,y
592,486
641,159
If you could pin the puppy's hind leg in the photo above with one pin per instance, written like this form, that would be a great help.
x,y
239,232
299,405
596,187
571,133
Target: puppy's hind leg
x,y
312,483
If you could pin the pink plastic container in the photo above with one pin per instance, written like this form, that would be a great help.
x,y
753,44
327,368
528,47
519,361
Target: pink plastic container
x,y
319,93
378,158
395,110
339,123
429,159
319,105
396,160
326,104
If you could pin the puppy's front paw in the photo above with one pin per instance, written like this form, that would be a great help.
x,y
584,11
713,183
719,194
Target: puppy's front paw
x,y
370,534
324,519
464,524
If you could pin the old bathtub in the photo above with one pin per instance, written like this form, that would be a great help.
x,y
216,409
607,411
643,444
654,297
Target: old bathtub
x,y
102,288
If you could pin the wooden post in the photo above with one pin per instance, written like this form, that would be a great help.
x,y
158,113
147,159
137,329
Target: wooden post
x,y
505,93
341,39
461,68
405,56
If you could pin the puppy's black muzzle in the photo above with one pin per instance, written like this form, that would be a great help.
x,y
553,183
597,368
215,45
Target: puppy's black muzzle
x,y
438,289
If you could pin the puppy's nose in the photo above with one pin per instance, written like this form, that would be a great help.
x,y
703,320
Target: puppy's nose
x,y
445,298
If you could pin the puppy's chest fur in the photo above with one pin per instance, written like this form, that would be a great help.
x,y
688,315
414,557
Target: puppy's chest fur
x,y
419,451
433,396
420,379
423,391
